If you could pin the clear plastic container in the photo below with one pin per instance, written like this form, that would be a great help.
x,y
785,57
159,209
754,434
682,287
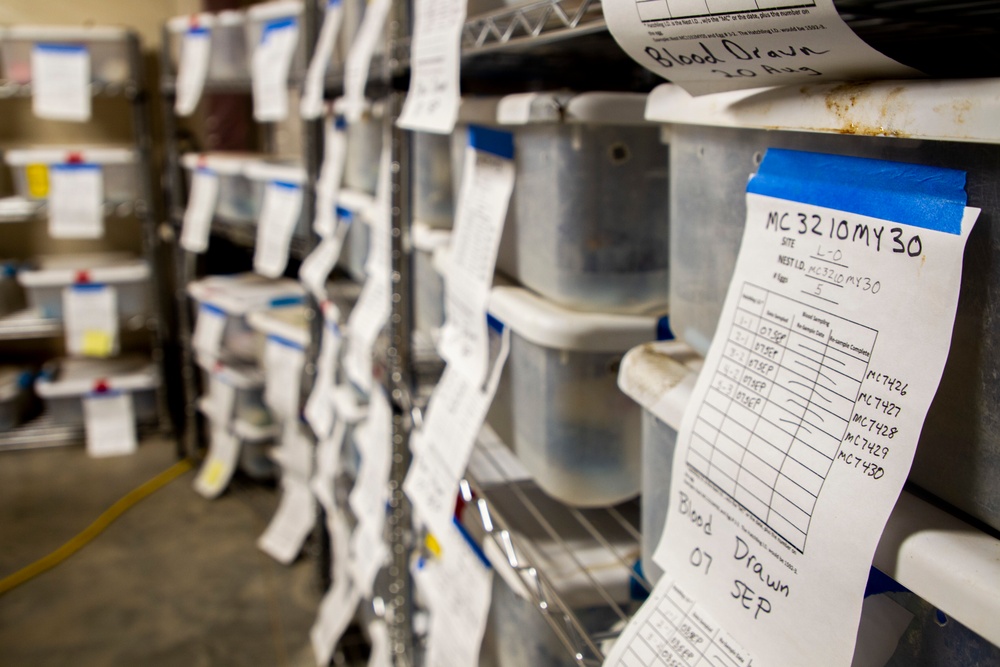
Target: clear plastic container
x,y
261,14
247,382
430,247
433,198
228,46
237,296
569,424
364,147
958,457
239,197
29,167
590,226
15,395
354,253
108,48
44,285
64,383
262,172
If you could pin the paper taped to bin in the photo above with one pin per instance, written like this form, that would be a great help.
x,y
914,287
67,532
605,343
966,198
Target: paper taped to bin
x,y
60,82
712,47
109,419
278,214
270,65
311,105
90,318
220,464
76,201
192,69
805,417
359,58
197,222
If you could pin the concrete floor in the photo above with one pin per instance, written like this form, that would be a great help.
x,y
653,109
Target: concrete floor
x,y
177,580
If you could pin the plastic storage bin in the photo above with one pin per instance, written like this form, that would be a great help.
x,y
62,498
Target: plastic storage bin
x,y
430,248
570,426
715,148
228,48
64,384
247,382
129,276
290,324
255,441
364,147
30,166
237,296
262,172
108,48
259,15
433,196
15,395
590,226
239,198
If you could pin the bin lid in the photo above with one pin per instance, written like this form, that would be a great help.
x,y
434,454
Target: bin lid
x,y
66,33
428,239
85,270
592,108
66,154
227,163
286,171
66,378
660,376
181,24
241,293
289,324
545,323
276,9
235,373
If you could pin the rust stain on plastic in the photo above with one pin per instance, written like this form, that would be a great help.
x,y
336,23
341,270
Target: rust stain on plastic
x,y
844,100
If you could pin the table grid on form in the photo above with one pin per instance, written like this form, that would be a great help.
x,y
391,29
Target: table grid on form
x,y
665,10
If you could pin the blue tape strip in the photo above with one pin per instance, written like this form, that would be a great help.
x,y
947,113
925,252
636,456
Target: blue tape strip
x,y
88,287
75,166
107,393
278,24
205,170
663,330
198,31
497,142
282,301
284,342
215,310
62,48
495,324
345,213
927,197
286,185
472,545
333,3
879,582
340,122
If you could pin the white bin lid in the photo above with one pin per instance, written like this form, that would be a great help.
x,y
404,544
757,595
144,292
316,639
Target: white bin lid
x,y
242,293
61,275
544,323
181,24
227,163
428,239
79,377
659,377
20,157
594,108
239,374
266,11
66,33
286,323
284,171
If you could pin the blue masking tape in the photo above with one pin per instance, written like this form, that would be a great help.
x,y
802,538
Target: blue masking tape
x,y
878,582
472,544
663,330
495,324
278,24
62,48
286,185
497,142
927,197
75,166
282,301
345,213
340,122
88,287
214,310
284,342
200,31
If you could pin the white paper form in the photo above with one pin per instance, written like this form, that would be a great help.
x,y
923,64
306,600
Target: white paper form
x,y
707,46
76,198
316,268
442,447
806,414
487,183
336,611
311,105
197,223
319,410
269,68
436,56
109,419
359,58
221,402
279,212
60,82
295,452
328,452
381,649
292,523
220,464
370,494
192,68
90,318
330,175
283,363
458,591
209,327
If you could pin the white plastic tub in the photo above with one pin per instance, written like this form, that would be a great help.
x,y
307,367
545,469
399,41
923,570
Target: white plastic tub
x,y
129,277
228,47
30,169
107,46
430,247
570,426
247,383
236,297
239,198
276,11
15,395
590,226
65,383
262,172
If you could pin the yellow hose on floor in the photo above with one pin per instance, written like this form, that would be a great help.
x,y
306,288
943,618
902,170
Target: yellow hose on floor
x,y
96,528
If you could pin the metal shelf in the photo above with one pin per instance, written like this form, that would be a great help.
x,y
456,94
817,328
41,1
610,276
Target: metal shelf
x,y
29,324
495,473
40,433
128,89
532,25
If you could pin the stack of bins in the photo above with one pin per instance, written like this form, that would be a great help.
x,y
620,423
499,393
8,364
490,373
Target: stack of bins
x,y
230,353
228,61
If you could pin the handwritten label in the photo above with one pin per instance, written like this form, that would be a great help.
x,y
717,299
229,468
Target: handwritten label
x,y
269,68
90,317
192,68
435,54
279,213
809,403
709,47
76,196
197,223
60,82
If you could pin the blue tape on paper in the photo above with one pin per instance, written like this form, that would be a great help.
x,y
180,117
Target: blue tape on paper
x,y
472,544
340,122
278,24
345,213
497,142
926,197
75,166
663,330
332,3
198,31
88,287
495,324
284,342
214,310
286,185
879,582
62,48
282,301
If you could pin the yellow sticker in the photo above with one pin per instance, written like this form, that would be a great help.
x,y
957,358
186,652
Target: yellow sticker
x,y
213,474
97,343
38,180
433,545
